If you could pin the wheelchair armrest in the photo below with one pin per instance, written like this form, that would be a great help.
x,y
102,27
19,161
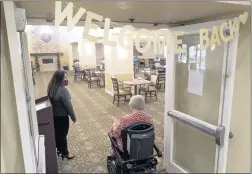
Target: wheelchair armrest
x,y
113,141
117,149
159,153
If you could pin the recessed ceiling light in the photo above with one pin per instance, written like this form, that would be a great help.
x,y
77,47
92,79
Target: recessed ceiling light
x,y
123,5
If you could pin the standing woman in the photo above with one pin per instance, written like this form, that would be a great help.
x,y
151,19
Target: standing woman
x,y
62,109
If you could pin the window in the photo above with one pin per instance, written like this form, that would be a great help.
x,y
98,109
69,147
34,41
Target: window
x,y
192,53
47,60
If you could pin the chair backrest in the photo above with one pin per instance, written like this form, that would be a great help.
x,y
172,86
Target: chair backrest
x,y
136,64
138,140
115,85
161,78
151,62
162,62
153,78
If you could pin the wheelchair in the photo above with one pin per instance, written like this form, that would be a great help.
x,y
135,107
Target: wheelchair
x,y
138,146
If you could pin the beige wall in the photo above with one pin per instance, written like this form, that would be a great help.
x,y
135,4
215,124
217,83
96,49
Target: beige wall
x,y
63,44
239,147
11,149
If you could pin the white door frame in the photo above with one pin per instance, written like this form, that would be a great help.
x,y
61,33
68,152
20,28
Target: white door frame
x,y
30,162
227,85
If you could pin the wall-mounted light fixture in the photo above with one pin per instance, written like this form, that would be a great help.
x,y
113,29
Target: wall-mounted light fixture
x,y
46,33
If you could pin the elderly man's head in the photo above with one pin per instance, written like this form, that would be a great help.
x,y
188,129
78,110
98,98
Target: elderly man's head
x,y
137,102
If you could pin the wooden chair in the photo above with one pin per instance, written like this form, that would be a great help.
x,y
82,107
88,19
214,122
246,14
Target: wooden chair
x,y
91,78
150,89
162,62
151,63
160,80
101,77
142,63
136,68
120,91
77,73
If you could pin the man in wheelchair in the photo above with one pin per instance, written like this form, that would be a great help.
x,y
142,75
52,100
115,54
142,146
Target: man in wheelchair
x,y
132,140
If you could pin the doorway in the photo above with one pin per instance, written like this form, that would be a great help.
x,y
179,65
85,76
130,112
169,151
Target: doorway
x,y
198,104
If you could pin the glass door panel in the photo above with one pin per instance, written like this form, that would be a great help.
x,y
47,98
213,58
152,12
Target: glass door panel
x,y
193,149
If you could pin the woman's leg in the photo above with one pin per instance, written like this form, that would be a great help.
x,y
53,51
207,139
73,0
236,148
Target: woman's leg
x,y
57,130
65,128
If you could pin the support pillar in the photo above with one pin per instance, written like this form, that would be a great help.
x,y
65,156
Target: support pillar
x,y
87,54
118,64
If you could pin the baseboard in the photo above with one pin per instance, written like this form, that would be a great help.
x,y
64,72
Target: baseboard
x,y
109,92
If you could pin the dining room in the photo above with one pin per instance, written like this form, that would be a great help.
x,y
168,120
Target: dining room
x,y
182,91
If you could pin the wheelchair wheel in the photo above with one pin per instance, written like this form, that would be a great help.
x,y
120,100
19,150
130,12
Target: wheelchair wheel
x,y
112,167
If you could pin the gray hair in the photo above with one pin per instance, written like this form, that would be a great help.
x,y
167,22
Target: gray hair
x,y
137,102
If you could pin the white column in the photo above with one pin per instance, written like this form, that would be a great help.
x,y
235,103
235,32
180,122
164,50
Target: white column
x,y
87,54
70,57
118,64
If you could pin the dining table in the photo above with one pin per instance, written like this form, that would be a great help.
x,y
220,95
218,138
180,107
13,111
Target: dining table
x,y
135,83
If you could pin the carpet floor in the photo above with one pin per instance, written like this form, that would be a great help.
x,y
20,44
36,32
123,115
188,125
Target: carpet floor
x,y
87,139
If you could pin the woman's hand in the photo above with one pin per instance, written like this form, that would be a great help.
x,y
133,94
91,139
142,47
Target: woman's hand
x,y
74,121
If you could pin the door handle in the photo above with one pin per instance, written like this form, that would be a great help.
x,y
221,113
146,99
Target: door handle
x,y
218,132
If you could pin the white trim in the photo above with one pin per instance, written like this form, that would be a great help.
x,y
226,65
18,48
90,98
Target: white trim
x,y
15,58
228,100
246,3
41,152
223,82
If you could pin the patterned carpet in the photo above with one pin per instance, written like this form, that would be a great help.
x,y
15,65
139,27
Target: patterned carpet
x,y
88,138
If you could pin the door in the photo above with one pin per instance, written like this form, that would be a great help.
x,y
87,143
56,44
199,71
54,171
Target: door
x,y
48,63
198,104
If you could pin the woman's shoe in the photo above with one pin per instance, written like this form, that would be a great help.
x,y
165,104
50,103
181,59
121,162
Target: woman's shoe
x,y
67,157
58,153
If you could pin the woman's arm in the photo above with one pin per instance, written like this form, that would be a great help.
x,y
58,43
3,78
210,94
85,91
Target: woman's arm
x,y
65,96
117,128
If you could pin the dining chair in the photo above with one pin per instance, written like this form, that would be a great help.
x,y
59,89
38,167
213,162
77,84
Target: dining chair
x,y
120,91
91,78
149,90
77,73
160,81
151,63
162,62
142,62
136,68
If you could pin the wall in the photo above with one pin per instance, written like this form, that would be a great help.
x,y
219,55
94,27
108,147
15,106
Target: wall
x,y
11,149
239,147
99,48
118,64
59,42
87,54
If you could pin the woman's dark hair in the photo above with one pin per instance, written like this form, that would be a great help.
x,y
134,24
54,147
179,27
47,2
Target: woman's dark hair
x,y
55,82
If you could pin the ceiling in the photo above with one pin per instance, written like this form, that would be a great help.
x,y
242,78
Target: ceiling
x,y
143,12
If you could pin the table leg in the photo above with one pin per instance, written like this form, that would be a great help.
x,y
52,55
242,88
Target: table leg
x,y
135,88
